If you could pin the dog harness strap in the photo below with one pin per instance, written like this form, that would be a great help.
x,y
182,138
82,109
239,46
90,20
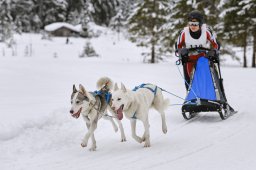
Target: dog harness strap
x,y
134,117
107,95
155,90
143,86
94,105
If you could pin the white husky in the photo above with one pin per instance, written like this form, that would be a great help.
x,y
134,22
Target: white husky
x,y
92,107
136,104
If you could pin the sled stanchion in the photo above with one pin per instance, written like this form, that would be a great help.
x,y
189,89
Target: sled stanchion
x,y
226,111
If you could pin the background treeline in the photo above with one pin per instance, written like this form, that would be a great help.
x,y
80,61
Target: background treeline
x,y
151,23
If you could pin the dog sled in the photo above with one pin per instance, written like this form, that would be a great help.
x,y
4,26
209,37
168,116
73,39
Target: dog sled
x,y
205,90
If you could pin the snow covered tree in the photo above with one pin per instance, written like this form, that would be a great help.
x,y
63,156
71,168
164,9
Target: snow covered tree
x,y
49,11
88,51
85,19
21,12
144,25
104,10
126,8
248,11
211,11
73,10
177,20
6,20
237,25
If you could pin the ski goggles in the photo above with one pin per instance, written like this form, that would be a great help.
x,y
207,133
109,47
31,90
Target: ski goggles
x,y
191,23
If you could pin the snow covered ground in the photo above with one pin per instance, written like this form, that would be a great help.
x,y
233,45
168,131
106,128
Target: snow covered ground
x,y
37,131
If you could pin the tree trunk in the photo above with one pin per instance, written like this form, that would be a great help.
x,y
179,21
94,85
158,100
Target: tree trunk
x,y
254,51
153,36
245,60
153,53
245,46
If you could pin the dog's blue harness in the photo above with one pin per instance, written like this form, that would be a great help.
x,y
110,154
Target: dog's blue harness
x,y
107,95
144,86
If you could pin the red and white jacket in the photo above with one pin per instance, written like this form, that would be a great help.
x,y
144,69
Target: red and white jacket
x,y
185,39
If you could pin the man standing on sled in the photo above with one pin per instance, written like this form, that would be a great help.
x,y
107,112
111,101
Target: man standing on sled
x,y
195,35
201,68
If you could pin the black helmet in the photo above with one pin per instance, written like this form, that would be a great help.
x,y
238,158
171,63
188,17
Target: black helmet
x,y
196,15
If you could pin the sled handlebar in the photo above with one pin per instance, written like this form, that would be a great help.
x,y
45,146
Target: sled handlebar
x,y
199,49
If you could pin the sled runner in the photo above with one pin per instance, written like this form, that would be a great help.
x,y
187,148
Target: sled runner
x,y
205,91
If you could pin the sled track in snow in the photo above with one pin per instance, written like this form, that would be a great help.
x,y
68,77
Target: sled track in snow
x,y
238,129
32,125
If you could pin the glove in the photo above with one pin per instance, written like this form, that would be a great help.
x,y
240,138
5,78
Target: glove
x,y
213,55
183,54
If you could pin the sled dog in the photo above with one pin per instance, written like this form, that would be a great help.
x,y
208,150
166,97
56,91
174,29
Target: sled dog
x,y
92,106
136,104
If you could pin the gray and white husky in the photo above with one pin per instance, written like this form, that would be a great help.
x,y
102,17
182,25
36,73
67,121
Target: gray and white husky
x,y
136,104
92,107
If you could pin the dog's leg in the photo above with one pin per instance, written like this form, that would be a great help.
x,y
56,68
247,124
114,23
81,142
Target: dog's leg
x,y
123,138
164,126
112,121
83,144
93,148
92,127
133,127
146,135
160,104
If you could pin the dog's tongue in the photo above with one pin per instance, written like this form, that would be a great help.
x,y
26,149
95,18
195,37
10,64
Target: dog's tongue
x,y
120,113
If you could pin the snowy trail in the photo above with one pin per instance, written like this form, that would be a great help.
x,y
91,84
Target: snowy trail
x,y
111,150
36,130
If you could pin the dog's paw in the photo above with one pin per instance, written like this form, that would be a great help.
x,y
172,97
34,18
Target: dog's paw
x,y
83,144
147,144
164,131
93,148
140,140
123,140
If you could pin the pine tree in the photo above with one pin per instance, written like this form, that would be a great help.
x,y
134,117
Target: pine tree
x,y
210,10
177,20
6,21
85,19
72,10
104,10
88,51
236,26
49,11
248,11
126,8
21,12
145,23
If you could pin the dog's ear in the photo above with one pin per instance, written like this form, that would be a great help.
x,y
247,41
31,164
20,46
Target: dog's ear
x,y
123,88
116,87
74,89
82,90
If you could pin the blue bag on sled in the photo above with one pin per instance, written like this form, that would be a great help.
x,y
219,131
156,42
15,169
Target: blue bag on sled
x,y
206,92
